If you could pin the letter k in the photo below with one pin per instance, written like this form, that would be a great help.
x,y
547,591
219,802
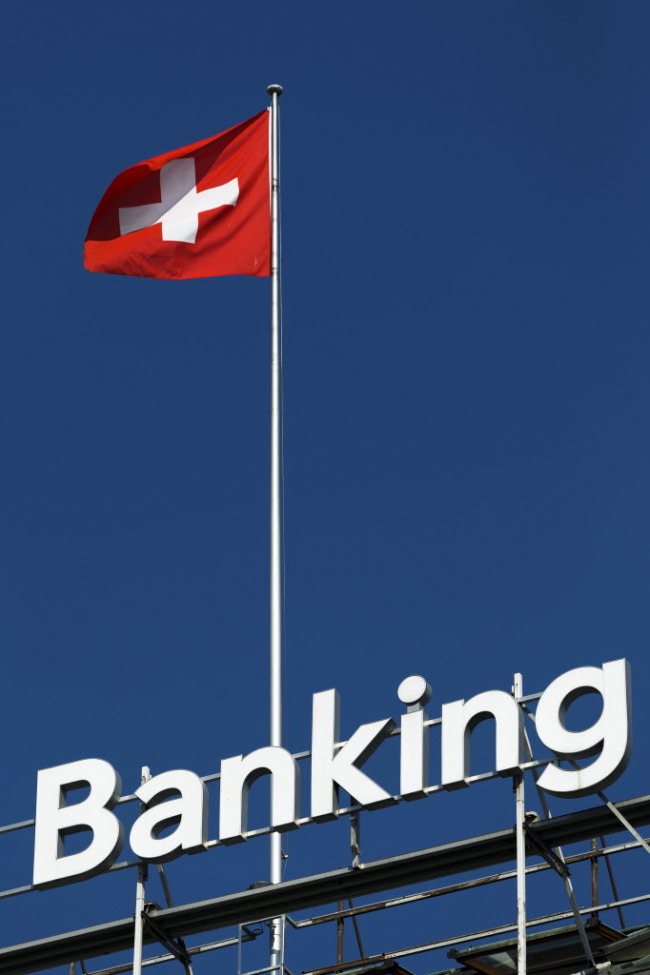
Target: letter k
x,y
331,769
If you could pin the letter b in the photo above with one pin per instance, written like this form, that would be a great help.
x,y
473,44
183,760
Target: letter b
x,y
55,820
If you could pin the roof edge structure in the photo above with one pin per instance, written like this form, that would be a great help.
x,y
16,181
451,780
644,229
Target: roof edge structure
x,y
292,895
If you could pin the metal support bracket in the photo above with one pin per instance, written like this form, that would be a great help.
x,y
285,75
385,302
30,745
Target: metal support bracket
x,y
556,857
538,846
175,946
355,840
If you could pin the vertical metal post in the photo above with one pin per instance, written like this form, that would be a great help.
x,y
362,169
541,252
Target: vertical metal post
x,y
355,839
138,928
276,592
520,821
340,935
594,874
612,880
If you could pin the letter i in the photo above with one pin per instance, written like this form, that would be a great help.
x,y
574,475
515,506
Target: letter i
x,y
414,737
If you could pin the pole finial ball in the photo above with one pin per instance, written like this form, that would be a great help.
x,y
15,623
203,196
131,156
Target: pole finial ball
x,y
275,89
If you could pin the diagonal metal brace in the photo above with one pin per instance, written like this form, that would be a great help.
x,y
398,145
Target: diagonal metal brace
x,y
175,946
556,859
538,846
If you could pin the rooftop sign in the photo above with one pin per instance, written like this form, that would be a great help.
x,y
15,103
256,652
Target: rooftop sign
x,y
178,800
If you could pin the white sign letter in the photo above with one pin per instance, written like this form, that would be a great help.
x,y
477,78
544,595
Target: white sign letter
x,y
187,811
237,776
55,820
610,737
330,770
414,738
458,721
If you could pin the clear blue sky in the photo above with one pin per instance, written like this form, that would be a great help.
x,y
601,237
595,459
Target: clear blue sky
x,y
465,239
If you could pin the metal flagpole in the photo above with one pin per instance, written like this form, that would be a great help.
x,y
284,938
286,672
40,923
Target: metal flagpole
x,y
276,595
520,834
138,931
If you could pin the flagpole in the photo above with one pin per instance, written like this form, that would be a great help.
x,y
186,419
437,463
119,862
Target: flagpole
x,y
276,961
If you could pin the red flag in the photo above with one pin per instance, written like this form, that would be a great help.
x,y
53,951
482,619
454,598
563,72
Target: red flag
x,y
195,212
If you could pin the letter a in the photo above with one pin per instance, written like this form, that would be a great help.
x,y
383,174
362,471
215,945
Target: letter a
x,y
178,798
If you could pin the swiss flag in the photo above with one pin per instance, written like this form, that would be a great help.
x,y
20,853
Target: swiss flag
x,y
195,212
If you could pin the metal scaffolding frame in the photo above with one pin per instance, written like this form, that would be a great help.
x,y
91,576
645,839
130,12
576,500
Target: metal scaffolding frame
x,y
255,906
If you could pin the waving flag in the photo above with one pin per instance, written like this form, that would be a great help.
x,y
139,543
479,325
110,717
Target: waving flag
x,y
195,212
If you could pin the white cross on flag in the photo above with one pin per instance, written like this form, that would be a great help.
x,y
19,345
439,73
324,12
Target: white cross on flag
x,y
199,211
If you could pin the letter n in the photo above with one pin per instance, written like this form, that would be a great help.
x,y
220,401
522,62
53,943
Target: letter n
x,y
237,776
459,718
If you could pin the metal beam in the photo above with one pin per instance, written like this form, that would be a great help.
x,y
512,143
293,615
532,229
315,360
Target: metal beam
x,y
264,902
